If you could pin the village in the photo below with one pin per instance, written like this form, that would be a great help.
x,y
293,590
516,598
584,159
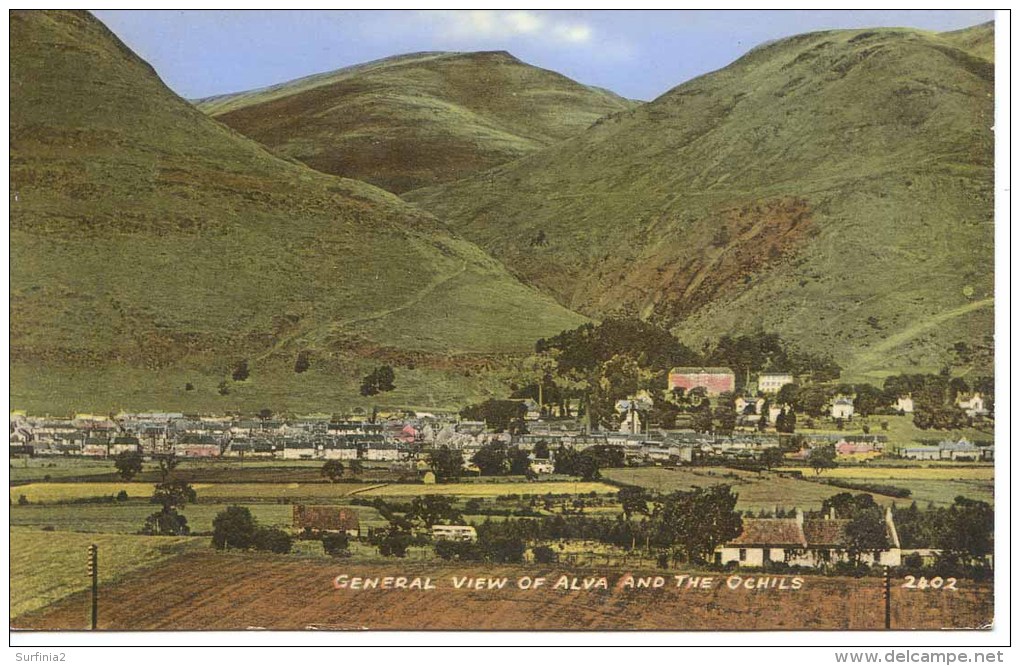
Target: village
x,y
395,436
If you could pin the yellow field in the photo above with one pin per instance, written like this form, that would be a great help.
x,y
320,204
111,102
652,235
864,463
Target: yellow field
x,y
64,492
47,566
906,473
489,489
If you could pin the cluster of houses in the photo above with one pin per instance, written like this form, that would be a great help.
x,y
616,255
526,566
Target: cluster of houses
x,y
163,433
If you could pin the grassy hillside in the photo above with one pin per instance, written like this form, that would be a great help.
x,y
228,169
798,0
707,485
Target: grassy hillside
x,y
416,120
834,187
978,40
152,247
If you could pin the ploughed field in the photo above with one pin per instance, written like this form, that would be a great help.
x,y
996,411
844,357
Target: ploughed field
x,y
209,590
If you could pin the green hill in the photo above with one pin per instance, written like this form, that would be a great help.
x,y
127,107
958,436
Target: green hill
x,y
833,187
152,248
416,120
978,40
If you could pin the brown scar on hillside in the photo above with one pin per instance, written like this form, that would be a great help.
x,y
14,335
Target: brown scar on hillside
x,y
741,241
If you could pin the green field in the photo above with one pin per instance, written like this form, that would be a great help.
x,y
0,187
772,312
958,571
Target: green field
x,y
770,490
489,490
47,566
129,518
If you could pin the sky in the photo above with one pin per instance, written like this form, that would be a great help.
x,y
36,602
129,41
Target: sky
x,y
637,54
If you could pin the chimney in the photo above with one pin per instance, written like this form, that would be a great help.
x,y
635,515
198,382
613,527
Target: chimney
x,y
832,513
800,517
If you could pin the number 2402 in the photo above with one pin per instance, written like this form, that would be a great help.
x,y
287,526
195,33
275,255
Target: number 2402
x,y
922,583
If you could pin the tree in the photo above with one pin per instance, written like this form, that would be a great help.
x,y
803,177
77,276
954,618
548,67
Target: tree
x,y
265,414
446,463
499,415
273,539
968,535
543,554
431,510
694,523
463,551
865,531
302,362
633,500
868,399
702,421
518,460
541,449
333,470
336,544
234,527
822,457
240,372
378,381
128,464
491,459
786,421
726,414
789,394
772,457
356,467
393,541
172,495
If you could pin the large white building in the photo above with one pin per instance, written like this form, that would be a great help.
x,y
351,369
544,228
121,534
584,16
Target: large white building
x,y
771,382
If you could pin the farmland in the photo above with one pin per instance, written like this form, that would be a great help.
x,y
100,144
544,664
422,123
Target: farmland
x,y
47,566
489,489
129,518
770,490
209,590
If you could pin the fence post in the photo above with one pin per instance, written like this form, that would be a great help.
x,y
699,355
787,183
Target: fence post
x,y
92,566
887,596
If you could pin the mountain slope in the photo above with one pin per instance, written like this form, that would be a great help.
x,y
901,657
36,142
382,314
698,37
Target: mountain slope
x,y
153,247
978,40
418,119
834,187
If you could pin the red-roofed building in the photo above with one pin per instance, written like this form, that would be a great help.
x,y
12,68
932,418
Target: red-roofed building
x,y
713,380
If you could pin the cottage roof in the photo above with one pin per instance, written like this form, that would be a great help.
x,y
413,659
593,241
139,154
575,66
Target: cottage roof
x,y
825,532
325,518
708,370
771,532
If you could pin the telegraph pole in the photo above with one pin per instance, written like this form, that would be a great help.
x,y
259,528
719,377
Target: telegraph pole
x,y
93,571
887,597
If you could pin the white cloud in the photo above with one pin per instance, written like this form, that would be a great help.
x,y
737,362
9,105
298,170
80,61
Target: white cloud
x,y
488,23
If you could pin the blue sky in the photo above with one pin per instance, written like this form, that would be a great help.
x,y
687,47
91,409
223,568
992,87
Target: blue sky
x,y
638,54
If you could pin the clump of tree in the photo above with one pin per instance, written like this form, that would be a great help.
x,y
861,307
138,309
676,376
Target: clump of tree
x,y
446,463
172,495
235,527
691,524
963,532
866,531
822,457
576,463
936,396
496,459
378,381
336,544
241,371
303,361
128,464
333,470
786,420
498,415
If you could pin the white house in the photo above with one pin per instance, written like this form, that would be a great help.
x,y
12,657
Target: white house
x,y
798,541
771,382
904,404
298,450
454,533
974,405
842,408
